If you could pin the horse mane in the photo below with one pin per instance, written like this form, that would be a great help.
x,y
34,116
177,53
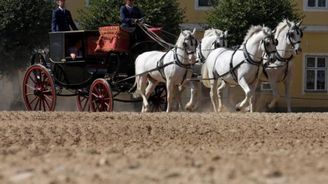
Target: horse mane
x,y
212,32
251,31
281,27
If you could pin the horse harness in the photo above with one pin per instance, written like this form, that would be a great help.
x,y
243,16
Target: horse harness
x,y
247,59
201,55
160,65
281,59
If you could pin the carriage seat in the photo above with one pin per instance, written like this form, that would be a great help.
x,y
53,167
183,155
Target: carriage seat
x,y
113,38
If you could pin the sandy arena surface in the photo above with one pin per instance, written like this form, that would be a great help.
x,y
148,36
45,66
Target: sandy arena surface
x,y
175,148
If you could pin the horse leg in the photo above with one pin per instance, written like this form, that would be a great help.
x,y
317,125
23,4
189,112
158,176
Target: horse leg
x,y
214,95
151,86
179,90
170,95
288,88
141,86
194,96
219,92
275,93
248,94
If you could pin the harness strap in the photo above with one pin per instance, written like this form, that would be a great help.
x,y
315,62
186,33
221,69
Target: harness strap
x,y
200,54
178,62
279,58
249,59
160,67
232,69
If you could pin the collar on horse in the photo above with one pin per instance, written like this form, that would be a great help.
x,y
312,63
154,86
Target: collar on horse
x,y
249,58
178,62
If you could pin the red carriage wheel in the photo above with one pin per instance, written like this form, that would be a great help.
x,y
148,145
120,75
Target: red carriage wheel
x,y
39,92
100,96
158,99
82,101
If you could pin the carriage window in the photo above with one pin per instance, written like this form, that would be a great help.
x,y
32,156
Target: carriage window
x,y
315,73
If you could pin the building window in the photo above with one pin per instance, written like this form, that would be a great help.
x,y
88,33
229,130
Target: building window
x,y
315,5
315,73
265,86
203,4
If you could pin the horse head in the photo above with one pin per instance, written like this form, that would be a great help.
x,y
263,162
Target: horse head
x,y
213,39
294,35
269,43
188,42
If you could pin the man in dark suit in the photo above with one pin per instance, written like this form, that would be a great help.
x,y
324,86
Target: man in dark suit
x,y
129,14
62,18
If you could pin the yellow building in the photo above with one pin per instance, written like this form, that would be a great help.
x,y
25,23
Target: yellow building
x,y
309,88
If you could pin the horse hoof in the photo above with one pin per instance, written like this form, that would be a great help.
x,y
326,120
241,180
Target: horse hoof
x,y
238,109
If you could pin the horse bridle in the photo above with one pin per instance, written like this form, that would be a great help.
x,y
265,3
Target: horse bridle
x,y
215,44
289,33
193,43
247,54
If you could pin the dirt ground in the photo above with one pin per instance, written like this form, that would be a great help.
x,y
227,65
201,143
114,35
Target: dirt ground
x,y
184,148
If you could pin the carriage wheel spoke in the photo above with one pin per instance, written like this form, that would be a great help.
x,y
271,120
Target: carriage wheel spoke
x,y
30,77
43,105
95,95
32,88
45,100
37,103
47,96
29,94
86,103
34,99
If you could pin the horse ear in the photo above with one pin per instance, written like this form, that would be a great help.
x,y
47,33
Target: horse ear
x,y
225,33
299,23
193,31
274,31
289,23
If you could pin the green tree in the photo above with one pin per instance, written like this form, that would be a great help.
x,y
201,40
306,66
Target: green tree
x,y
24,25
165,13
237,16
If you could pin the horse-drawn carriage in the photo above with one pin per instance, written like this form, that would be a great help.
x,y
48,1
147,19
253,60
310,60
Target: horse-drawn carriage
x,y
74,67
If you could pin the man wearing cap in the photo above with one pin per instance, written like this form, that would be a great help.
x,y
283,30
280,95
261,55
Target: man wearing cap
x,y
62,18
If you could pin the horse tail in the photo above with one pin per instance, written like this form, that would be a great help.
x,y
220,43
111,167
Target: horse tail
x,y
205,76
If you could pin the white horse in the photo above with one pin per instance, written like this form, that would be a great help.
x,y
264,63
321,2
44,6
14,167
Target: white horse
x,y
239,67
213,39
289,35
171,67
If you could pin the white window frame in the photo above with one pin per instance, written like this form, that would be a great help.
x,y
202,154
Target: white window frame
x,y
315,68
197,7
316,8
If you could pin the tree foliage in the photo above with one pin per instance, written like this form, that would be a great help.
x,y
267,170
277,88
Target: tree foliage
x,y
166,13
24,25
237,16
